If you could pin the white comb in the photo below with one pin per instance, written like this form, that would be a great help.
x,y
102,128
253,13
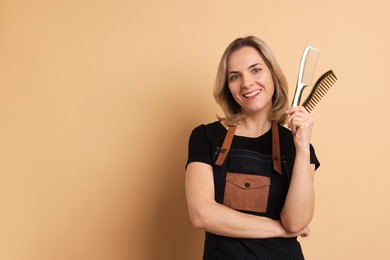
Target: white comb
x,y
306,72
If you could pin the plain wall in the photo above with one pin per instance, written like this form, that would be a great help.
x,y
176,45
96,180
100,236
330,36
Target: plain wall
x,y
98,98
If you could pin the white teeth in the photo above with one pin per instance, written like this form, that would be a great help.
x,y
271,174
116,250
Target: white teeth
x,y
254,93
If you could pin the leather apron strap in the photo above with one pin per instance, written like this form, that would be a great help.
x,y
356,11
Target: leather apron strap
x,y
227,142
226,145
276,148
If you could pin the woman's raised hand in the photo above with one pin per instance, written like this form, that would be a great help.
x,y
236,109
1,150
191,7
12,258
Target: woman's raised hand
x,y
301,124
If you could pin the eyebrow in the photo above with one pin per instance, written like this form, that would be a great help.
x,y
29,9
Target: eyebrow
x,y
251,66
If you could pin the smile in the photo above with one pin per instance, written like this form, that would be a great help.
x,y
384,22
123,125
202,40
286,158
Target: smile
x,y
252,94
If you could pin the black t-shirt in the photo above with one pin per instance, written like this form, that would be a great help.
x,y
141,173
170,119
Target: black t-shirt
x,y
203,141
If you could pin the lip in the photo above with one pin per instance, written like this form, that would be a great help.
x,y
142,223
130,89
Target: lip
x,y
252,94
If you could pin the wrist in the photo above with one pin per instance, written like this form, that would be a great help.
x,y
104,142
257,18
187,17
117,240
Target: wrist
x,y
302,149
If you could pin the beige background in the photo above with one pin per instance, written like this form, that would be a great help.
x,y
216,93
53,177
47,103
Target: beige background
x,y
98,98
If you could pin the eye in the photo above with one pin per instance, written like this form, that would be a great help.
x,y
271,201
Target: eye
x,y
233,77
256,70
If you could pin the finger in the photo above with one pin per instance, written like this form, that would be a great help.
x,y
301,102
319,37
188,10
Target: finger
x,y
291,110
295,122
297,110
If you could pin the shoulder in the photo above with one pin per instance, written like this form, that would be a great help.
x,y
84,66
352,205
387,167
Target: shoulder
x,y
202,140
210,131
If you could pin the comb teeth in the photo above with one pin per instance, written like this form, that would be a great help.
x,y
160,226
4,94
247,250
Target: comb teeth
x,y
321,87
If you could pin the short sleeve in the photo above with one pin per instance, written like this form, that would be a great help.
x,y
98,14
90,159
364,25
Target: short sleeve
x,y
199,147
313,157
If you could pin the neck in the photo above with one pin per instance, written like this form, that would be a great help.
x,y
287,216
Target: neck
x,y
253,126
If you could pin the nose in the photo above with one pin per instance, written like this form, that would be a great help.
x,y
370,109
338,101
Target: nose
x,y
247,81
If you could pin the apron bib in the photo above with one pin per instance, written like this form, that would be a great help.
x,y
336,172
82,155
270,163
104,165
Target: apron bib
x,y
249,181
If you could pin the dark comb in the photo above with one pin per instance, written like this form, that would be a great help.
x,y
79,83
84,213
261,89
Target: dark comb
x,y
323,84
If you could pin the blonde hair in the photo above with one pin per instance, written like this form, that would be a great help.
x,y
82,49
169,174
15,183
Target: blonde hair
x,y
224,98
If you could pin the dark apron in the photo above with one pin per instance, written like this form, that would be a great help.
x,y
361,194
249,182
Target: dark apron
x,y
256,184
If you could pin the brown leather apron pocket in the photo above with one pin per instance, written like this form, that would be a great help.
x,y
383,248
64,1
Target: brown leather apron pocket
x,y
247,192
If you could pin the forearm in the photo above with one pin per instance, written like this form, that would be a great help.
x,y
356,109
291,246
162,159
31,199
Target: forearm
x,y
299,205
221,220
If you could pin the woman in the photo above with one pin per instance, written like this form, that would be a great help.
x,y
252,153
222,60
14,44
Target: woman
x,y
249,180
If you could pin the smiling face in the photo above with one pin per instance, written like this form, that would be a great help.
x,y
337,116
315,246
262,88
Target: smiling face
x,y
250,81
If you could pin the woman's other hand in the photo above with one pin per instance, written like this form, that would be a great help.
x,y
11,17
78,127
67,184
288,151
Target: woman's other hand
x,y
301,124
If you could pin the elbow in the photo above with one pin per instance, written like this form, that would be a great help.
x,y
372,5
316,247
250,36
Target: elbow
x,y
295,225
198,219
197,223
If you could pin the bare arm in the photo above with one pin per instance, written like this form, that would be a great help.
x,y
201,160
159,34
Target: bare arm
x,y
207,214
299,205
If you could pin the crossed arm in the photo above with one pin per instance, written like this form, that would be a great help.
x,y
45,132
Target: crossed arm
x,y
205,213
